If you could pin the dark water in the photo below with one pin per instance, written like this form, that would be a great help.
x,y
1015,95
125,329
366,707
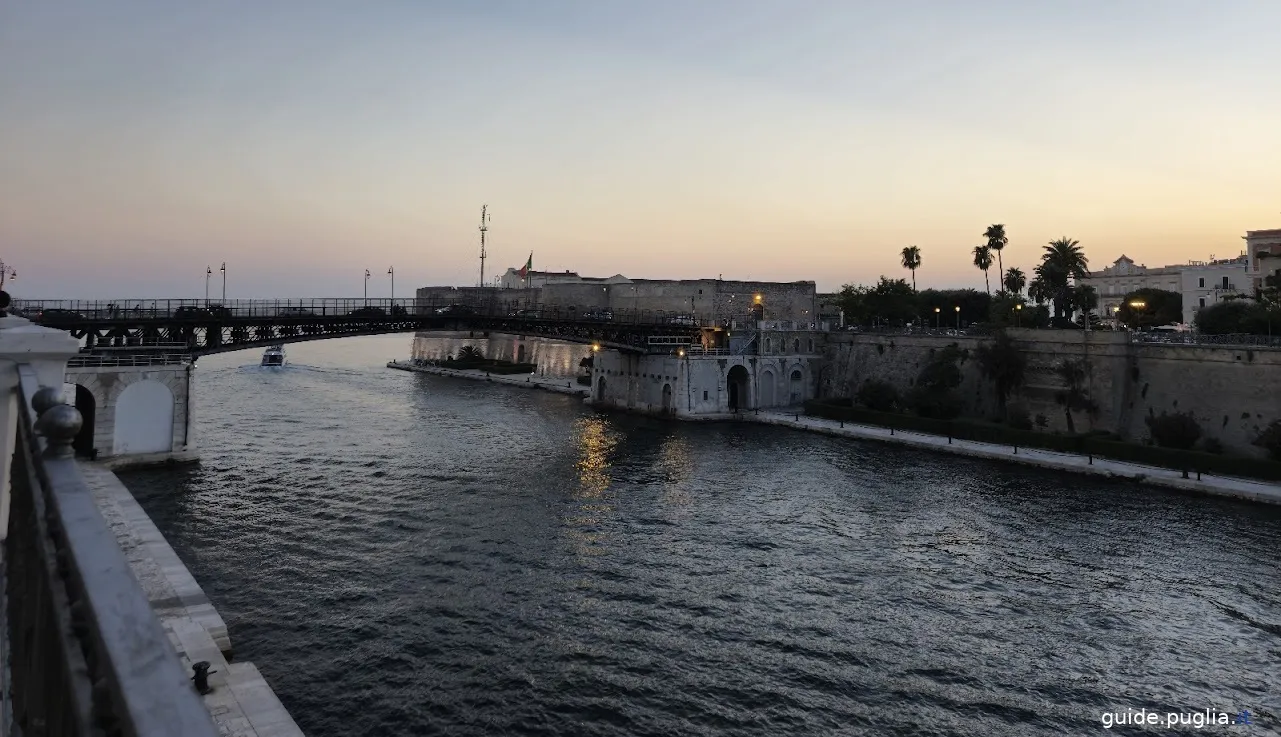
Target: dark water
x,y
403,554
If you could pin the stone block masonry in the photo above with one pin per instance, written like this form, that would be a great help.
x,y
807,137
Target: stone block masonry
x,y
1231,392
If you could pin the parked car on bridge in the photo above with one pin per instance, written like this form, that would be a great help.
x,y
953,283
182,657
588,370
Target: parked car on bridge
x,y
368,312
526,314
456,311
681,320
598,315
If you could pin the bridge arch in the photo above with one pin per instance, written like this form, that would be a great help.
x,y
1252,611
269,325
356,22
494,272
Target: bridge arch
x,y
144,419
600,389
668,407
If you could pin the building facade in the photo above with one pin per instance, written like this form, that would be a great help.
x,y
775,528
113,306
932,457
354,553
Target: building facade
x,y
1263,248
1201,283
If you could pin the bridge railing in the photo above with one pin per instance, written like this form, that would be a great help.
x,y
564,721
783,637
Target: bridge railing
x,y
84,653
199,311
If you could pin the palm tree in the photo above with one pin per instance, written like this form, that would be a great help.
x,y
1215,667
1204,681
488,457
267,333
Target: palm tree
x,y
983,261
912,261
996,241
1014,281
1062,262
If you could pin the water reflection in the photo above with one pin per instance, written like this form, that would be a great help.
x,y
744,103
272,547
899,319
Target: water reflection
x,y
595,442
553,358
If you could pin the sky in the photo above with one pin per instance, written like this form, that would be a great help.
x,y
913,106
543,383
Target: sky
x,y
301,143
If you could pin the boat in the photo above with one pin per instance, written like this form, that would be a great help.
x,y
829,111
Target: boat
x,y
274,356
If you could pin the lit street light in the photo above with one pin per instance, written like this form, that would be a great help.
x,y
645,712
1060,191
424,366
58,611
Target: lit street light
x,y
6,272
1018,310
937,317
958,317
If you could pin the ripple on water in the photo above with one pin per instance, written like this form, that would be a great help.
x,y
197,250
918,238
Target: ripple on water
x,y
401,554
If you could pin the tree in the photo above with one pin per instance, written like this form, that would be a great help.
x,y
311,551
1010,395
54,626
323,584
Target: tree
x,y
975,305
1073,396
1178,430
853,302
996,241
1062,262
1148,307
892,300
1085,299
912,261
933,396
1003,364
1014,281
983,262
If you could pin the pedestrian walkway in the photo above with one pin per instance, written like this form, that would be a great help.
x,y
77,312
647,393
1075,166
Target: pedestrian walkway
x,y
1262,491
241,703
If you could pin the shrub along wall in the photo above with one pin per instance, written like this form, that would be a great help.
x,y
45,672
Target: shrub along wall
x,y
1182,460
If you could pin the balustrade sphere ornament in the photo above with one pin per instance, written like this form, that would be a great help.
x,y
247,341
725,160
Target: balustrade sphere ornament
x,y
46,398
60,425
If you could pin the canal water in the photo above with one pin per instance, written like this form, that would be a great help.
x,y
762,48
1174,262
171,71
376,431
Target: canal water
x,y
403,554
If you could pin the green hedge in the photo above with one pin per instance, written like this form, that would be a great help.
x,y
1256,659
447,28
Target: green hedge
x,y
984,432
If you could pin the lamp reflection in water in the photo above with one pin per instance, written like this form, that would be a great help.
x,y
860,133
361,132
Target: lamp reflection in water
x,y
595,441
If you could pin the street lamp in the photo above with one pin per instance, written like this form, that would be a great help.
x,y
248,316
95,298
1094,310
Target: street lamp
x,y
224,283
937,317
391,271
6,272
958,317
366,287
1018,310
208,273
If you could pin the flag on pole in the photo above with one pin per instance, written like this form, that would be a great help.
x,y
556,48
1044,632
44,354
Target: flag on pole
x,y
529,266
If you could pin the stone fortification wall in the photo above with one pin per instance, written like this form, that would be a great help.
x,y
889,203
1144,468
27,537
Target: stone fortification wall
x,y
1229,391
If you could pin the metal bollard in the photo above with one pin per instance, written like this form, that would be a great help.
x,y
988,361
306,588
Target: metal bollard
x,y
201,676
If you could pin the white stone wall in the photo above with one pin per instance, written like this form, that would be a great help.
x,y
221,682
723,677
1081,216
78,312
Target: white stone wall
x,y
700,385
124,420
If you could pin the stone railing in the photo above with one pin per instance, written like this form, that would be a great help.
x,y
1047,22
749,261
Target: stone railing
x,y
84,653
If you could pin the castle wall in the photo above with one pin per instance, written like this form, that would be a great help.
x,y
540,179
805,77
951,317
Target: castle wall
x,y
1231,392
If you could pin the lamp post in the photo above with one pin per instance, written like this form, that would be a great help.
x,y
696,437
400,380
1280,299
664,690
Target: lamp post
x,y
937,317
208,273
6,273
224,283
391,271
366,287
1137,304
958,317
1018,310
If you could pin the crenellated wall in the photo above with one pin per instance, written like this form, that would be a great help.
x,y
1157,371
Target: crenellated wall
x,y
1231,392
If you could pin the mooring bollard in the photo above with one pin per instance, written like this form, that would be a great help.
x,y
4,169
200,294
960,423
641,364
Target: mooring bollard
x,y
201,676
1198,475
1091,457
1016,450
1185,473
842,424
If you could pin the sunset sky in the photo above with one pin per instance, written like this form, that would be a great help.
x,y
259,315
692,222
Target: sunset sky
x,y
304,142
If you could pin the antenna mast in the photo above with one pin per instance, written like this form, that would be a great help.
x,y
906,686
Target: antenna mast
x,y
484,218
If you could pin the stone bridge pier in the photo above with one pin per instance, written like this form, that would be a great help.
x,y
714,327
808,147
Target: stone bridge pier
x,y
133,414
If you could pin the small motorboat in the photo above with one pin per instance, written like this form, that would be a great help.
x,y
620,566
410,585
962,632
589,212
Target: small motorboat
x,y
274,356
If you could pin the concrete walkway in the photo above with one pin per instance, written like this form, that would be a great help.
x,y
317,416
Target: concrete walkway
x,y
551,384
241,703
1218,485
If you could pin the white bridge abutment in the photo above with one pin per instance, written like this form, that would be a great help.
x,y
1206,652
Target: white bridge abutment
x,y
133,415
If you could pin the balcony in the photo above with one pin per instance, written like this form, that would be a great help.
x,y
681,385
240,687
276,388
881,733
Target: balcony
x,y
83,652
